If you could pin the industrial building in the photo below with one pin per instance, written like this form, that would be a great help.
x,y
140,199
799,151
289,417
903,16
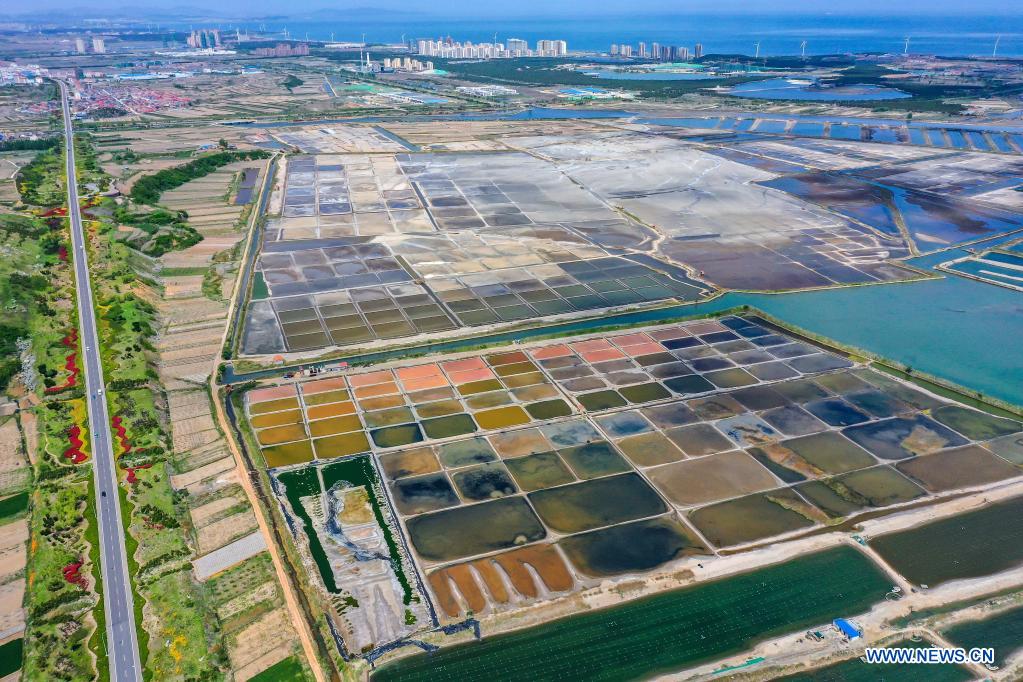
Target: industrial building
x,y
848,628
487,90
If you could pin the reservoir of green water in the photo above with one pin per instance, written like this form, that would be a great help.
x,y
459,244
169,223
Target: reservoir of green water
x,y
358,472
969,545
1003,632
668,631
964,331
10,656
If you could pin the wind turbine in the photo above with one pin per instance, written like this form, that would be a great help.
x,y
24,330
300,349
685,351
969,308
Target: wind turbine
x,y
756,53
905,48
994,52
802,49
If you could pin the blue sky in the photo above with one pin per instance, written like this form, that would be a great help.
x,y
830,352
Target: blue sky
x,y
539,8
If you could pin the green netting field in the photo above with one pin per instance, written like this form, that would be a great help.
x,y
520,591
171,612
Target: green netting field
x,y
668,631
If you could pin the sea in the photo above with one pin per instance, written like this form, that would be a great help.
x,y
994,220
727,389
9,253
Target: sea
x,y
777,34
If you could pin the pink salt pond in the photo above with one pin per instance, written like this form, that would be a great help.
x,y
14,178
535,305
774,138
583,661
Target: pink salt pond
x,y
644,349
548,352
631,340
602,355
272,393
370,378
591,345
424,383
463,365
376,389
406,374
323,385
468,376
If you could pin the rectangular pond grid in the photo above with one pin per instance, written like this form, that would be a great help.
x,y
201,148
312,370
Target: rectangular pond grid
x,y
706,434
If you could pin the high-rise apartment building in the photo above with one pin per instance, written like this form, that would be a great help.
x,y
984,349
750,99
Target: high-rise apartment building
x,y
99,45
205,39
658,52
551,48
283,50
518,47
406,64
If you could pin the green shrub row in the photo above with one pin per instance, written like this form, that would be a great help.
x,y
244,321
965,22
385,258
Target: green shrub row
x,y
148,189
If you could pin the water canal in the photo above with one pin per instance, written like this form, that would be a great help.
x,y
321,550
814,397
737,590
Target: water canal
x,y
953,328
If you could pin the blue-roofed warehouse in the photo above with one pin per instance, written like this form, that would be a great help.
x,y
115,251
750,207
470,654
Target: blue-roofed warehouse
x,y
847,628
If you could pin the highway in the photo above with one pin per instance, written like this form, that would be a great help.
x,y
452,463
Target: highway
x,y
121,639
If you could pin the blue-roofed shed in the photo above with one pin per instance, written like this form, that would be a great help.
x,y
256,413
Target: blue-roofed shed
x,y
847,628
